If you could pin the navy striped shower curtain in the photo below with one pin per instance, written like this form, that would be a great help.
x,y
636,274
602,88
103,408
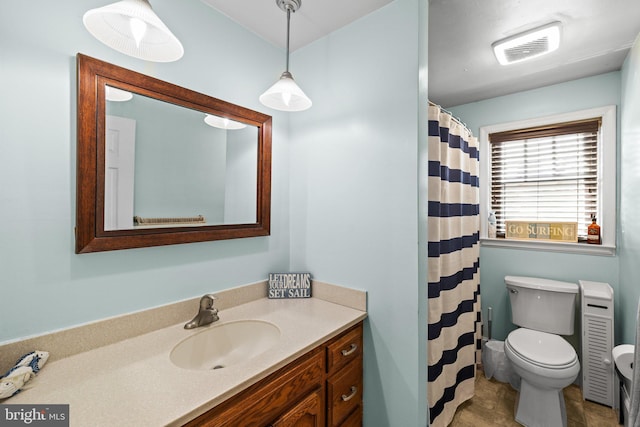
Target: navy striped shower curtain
x,y
455,328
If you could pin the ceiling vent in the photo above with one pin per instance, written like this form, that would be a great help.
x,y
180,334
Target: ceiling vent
x,y
528,45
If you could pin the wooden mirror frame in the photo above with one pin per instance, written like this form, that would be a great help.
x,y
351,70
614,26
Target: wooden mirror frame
x,y
91,236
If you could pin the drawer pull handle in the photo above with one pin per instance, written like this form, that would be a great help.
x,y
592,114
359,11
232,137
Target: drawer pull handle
x,y
351,349
354,391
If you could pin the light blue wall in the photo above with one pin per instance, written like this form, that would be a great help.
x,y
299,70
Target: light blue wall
x,y
354,192
495,263
630,197
43,284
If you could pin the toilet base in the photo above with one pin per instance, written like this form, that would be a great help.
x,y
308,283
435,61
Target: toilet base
x,y
537,407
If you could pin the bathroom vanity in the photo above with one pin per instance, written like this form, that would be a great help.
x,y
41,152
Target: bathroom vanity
x,y
120,372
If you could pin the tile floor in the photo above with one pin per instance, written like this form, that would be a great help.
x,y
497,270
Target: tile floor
x,y
494,402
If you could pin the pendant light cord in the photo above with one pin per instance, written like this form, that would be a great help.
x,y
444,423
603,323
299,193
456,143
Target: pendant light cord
x,y
288,24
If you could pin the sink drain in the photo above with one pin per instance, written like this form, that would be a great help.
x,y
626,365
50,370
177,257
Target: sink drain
x,y
218,367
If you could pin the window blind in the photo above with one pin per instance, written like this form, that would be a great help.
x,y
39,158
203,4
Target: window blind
x,y
547,173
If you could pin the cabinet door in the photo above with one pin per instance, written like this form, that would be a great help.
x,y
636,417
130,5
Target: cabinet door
x,y
308,413
353,420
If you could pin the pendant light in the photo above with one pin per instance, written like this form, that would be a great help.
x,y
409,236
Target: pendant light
x,y
131,27
285,94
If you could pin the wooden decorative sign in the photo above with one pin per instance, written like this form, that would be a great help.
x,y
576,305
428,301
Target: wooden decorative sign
x,y
289,285
540,230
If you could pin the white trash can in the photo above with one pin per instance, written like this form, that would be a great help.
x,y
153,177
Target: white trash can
x,y
496,364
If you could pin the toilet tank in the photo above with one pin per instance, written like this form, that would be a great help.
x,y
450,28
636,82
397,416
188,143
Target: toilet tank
x,y
542,304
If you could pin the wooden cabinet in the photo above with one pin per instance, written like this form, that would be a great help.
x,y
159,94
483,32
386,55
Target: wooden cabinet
x,y
321,388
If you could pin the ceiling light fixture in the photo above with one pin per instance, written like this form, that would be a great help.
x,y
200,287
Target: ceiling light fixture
x,y
131,27
528,45
285,94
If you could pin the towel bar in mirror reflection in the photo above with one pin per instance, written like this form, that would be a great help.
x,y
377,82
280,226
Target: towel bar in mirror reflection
x,y
151,149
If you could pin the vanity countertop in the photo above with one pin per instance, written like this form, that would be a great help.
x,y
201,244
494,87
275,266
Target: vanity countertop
x,y
134,383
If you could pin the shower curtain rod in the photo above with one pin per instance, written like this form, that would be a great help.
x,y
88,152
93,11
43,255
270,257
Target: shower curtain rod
x,y
460,122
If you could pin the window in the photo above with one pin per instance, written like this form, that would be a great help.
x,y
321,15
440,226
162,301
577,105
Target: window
x,y
559,168
547,173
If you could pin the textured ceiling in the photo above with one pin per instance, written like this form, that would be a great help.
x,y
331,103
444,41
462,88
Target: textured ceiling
x,y
595,38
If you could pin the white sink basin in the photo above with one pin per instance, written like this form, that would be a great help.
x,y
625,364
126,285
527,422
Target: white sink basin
x,y
226,344
623,358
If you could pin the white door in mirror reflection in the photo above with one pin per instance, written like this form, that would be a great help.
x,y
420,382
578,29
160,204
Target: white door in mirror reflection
x,y
119,172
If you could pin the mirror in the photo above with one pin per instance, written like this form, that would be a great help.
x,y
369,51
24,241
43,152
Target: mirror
x,y
158,164
167,164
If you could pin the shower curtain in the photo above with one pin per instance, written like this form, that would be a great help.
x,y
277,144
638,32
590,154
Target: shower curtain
x,y
455,327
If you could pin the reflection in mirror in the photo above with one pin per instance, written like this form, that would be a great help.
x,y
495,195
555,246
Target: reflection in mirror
x,y
158,164
167,165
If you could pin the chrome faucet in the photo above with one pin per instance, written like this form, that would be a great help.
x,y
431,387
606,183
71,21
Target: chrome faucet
x,y
206,314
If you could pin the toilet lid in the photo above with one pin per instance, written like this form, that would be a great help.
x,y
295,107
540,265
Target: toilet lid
x,y
541,348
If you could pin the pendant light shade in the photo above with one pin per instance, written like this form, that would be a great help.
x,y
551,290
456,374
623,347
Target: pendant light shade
x,y
285,94
131,27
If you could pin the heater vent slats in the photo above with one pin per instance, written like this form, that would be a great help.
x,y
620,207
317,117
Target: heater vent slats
x,y
523,51
528,44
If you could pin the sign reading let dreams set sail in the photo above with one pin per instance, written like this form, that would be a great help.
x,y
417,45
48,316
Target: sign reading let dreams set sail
x,y
289,285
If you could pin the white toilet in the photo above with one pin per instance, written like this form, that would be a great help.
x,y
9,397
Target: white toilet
x,y
546,362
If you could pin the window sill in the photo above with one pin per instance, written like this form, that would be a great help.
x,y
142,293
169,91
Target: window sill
x,y
535,245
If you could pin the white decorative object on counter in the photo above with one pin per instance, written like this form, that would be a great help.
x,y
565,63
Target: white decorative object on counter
x,y
24,370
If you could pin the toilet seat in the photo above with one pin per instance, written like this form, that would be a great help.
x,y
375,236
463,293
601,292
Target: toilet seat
x,y
542,349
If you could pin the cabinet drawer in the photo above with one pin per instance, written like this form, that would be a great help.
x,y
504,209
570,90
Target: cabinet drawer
x,y
344,349
344,392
